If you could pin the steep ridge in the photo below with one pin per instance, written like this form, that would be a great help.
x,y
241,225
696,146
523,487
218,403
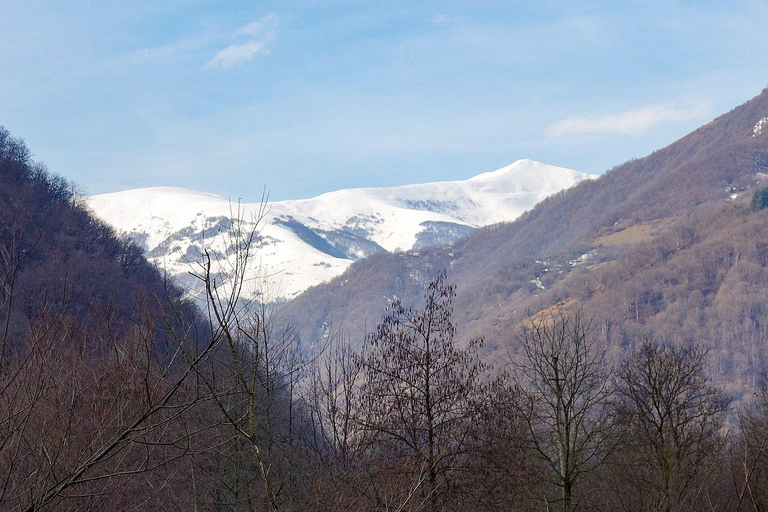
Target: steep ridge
x,y
60,265
305,242
659,185
506,271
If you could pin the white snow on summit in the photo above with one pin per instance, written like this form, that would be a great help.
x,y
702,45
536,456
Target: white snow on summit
x,y
305,242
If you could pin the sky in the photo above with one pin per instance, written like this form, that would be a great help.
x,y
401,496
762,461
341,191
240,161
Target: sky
x,y
299,98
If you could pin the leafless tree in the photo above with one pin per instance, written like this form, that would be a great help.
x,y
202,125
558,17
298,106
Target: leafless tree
x,y
673,416
89,406
83,417
749,452
252,380
563,383
339,468
500,473
419,396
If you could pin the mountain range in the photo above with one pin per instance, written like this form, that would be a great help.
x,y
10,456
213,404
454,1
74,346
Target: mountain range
x,y
665,246
302,243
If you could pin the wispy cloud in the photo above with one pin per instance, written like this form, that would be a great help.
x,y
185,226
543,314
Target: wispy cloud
x,y
630,122
166,50
236,54
260,33
262,28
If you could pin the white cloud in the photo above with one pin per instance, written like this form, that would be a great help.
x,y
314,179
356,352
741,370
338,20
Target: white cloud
x,y
260,32
261,28
236,54
630,122
166,50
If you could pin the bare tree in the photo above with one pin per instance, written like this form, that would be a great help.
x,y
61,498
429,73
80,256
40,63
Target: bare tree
x,y
92,399
563,384
339,468
252,379
749,452
419,395
674,417
332,398
500,473
90,405
82,417
748,458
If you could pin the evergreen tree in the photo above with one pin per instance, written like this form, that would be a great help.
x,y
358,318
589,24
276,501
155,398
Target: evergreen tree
x,y
759,199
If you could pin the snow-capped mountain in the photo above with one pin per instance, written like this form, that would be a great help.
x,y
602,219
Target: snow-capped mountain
x,y
304,242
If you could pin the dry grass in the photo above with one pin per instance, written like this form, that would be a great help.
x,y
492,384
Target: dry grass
x,y
633,234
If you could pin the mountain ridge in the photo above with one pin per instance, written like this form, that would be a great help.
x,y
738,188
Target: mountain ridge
x,y
633,229
308,241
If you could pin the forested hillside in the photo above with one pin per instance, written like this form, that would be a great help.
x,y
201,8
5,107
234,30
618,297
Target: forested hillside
x,y
89,333
57,259
586,357
650,238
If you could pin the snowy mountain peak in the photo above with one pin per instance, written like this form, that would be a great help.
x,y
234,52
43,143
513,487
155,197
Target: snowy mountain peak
x,y
308,241
528,174
519,165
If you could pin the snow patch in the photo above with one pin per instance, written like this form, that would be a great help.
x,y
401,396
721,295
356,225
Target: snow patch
x,y
759,126
583,258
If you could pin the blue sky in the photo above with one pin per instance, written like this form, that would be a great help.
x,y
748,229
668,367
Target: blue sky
x,y
307,97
